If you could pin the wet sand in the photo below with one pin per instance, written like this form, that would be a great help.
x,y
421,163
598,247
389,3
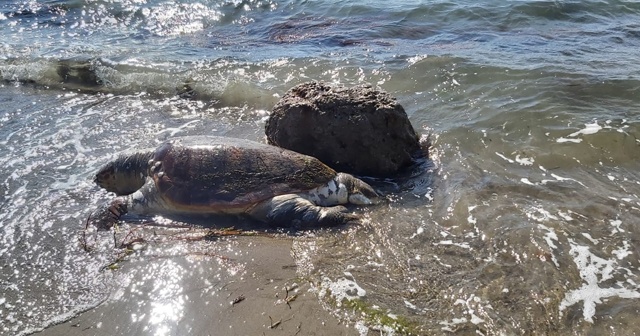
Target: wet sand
x,y
161,296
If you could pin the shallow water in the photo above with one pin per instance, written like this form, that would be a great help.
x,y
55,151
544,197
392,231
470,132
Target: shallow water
x,y
524,221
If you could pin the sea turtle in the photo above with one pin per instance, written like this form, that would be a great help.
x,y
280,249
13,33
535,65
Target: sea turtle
x,y
220,175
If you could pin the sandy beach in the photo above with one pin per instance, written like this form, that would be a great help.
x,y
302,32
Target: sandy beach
x,y
158,297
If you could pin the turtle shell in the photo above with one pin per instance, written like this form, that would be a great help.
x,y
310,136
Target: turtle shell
x,y
217,174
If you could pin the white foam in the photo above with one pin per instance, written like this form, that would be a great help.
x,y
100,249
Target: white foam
x,y
593,270
504,157
561,179
588,129
470,219
362,328
429,194
447,326
419,231
410,305
543,216
416,59
73,312
471,303
568,140
565,216
616,226
623,251
341,289
450,242
440,261
524,161
557,178
591,239
182,128
526,181
550,237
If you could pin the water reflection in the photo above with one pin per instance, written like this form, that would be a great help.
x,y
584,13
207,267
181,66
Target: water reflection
x,y
167,297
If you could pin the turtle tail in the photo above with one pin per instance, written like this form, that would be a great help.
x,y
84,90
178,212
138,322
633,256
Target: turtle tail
x,y
124,175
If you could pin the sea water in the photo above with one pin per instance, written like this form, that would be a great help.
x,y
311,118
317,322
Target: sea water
x,y
523,221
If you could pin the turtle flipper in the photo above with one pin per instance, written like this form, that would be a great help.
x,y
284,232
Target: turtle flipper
x,y
293,210
140,202
108,214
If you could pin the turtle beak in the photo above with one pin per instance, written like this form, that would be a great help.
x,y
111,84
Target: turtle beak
x,y
99,178
104,174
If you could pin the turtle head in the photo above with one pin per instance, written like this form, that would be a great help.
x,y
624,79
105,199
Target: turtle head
x,y
124,175
359,191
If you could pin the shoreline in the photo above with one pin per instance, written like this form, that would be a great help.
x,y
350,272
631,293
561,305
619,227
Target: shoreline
x,y
260,295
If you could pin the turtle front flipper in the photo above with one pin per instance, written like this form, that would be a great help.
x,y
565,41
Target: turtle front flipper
x,y
143,201
293,210
108,214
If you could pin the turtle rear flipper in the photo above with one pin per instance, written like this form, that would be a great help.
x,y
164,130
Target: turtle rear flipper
x,y
293,210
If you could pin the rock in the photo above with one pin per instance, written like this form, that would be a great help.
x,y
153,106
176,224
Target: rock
x,y
358,130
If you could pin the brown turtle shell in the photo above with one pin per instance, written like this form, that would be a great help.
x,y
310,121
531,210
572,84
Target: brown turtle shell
x,y
217,174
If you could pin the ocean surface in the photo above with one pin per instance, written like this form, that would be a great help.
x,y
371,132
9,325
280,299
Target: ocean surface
x,y
524,221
